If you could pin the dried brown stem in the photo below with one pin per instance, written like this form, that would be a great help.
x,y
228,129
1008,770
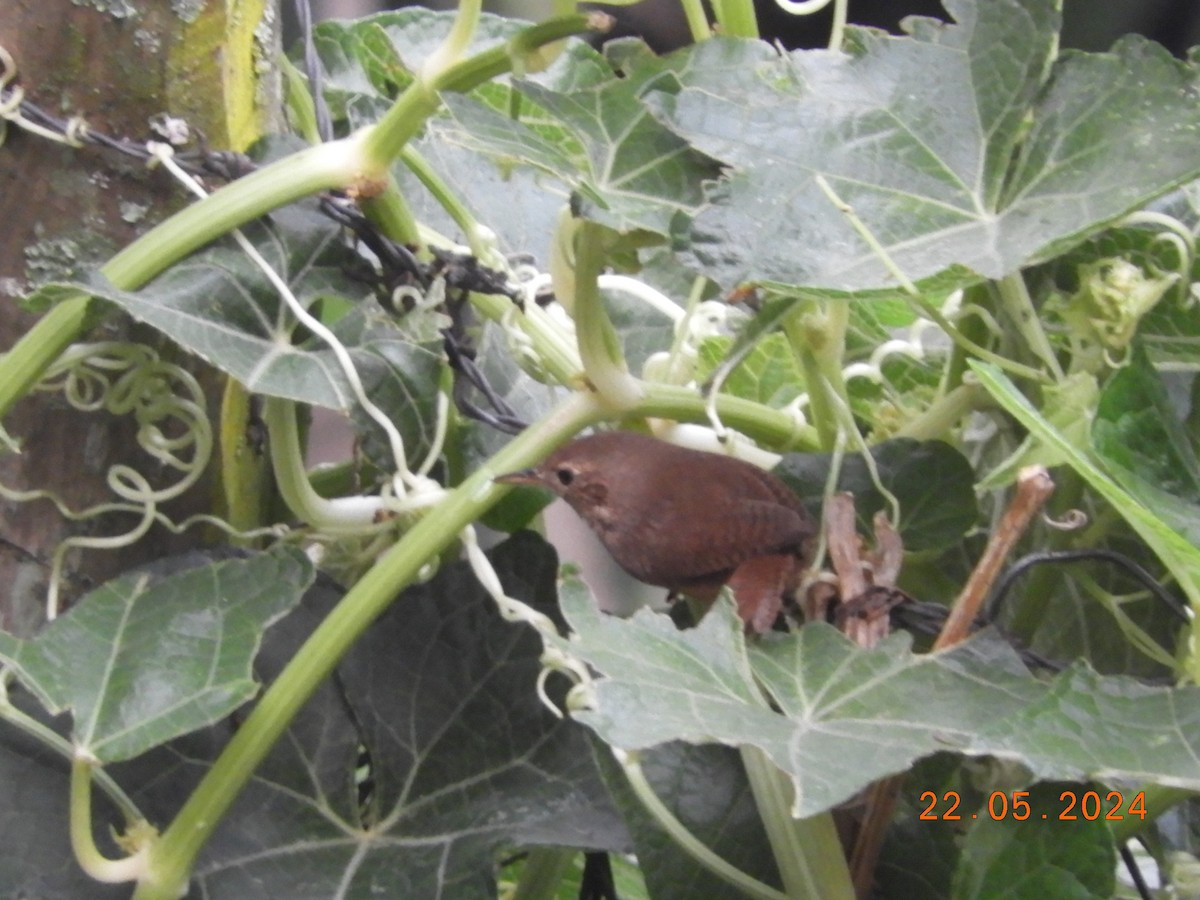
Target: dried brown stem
x,y
1034,487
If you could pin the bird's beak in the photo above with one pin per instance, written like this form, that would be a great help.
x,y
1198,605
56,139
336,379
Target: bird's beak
x,y
524,476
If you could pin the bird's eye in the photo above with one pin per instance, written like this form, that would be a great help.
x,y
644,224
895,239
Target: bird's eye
x,y
565,476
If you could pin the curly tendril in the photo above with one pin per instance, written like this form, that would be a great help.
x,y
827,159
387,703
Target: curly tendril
x,y
168,406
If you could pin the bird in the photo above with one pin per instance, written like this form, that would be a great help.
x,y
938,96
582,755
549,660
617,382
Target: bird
x,y
683,519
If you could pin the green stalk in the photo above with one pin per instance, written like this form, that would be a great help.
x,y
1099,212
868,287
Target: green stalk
x,y
599,347
391,213
687,841
736,18
807,852
348,515
770,426
47,737
172,856
420,99
1016,302
837,33
809,344
697,20
449,201
943,414
542,873
360,159
87,854
23,366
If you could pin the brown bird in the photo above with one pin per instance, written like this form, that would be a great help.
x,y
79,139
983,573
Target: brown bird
x,y
684,519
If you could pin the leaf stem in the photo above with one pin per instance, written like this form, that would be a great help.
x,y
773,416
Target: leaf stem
x,y
914,296
341,515
736,18
690,844
807,852
419,101
1015,300
87,854
60,745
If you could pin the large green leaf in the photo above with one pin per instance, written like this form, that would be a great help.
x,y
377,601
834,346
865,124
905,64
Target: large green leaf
x,y
1042,856
959,145
404,775
623,168
836,717
427,754
138,661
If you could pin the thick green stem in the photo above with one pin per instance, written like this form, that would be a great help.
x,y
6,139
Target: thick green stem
x,y
23,366
736,18
599,346
350,515
807,852
697,20
172,856
360,161
817,339
420,100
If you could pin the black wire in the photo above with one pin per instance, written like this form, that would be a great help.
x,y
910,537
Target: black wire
x,y
1135,872
1138,573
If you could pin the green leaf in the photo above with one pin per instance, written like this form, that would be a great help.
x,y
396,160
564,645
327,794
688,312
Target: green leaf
x,y
138,661
1177,554
959,147
839,716
425,757
219,306
769,374
1144,446
1039,857
933,482
623,168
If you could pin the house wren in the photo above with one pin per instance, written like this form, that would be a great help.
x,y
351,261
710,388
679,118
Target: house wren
x,y
684,519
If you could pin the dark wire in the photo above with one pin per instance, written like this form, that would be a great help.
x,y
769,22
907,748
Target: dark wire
x,y
1139,574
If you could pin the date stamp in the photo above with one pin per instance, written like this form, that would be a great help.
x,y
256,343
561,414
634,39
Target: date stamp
x,y
1072,806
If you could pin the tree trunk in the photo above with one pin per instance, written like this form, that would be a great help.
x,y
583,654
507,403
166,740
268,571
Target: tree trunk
x,y
66,210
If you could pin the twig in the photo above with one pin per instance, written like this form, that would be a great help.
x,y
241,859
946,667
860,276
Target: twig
x,y
1034,487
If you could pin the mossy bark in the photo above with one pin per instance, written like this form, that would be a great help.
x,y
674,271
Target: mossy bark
x,y
117,63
